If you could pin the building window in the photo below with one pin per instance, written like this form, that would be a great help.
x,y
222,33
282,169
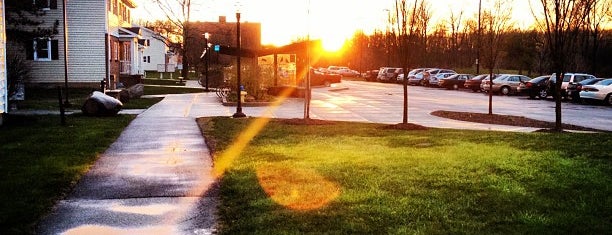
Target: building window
x,y
149,59
43,49
45,4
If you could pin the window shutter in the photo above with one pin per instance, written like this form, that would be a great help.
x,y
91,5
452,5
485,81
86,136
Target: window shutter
x,y
53,4
54,50
29,48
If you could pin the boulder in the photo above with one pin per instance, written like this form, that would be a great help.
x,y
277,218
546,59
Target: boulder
x,y
136,91
123,96
100,104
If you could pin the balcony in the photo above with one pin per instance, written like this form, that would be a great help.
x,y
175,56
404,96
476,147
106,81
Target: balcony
x,y
125,67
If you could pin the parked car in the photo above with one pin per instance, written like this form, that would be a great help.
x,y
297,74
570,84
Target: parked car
x,y
535,87
567,78
601,91
506,84
455,81
427,74
335,69
371,75
319,78
389,74
573,89
434,79
485,81
345,72
474,83
413,79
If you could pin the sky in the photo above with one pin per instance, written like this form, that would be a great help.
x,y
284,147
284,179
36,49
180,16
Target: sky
x,y
333,21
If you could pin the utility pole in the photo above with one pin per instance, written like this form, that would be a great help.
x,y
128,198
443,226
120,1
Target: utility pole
x,y
66,102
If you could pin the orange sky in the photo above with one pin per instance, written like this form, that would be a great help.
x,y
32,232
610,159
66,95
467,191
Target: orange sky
x,y
331,20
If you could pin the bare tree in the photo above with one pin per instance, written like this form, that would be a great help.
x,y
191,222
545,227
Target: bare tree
x,y
405,15
178,13
594,22
561,22
454,22
496,22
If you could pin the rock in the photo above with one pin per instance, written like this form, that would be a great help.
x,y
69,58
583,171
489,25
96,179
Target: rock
x,y
100,104
136,91
124,96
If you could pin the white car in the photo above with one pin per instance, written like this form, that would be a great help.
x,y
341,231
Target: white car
x,y
435,79
601,91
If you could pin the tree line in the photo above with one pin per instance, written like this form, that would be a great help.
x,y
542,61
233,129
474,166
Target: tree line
x,y
458,41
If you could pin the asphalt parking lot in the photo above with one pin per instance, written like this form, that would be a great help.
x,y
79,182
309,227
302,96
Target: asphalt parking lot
x,y
381,102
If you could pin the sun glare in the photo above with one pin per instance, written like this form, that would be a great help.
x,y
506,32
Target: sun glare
x,y
333,44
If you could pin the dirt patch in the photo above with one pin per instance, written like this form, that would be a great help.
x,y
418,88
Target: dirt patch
x,y
508,120
406,126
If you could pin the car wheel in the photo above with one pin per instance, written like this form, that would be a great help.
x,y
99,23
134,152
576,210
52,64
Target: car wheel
x,y
455,87
608,100
505,90
327,83
543,94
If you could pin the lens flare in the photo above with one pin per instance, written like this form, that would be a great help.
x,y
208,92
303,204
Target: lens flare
x,y
296,188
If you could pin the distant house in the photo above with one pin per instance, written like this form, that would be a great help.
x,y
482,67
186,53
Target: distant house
x,y
103,44
157,56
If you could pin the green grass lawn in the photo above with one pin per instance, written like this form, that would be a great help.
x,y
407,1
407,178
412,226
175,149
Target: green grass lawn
x,y
162,82
47,99
157,90
40,161
352,178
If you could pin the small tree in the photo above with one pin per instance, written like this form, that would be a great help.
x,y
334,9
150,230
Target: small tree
x,y
561,22
178,14
496,24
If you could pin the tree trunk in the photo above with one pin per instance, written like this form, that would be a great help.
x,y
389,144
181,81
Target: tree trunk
x,y
558,121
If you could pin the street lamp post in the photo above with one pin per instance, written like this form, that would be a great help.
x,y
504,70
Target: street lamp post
x,y
65,16
239,113
206,38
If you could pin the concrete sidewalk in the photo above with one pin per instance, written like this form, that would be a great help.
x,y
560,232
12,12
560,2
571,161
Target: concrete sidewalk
x,y
155,179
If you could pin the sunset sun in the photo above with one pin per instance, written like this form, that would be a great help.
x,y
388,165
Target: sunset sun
x,y
333,44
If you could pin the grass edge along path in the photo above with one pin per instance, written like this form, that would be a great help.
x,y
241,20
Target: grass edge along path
x,y
41,161
361,178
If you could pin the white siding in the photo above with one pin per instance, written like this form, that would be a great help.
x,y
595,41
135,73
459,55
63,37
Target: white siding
x,y
3,82
157,52
86,44
86,40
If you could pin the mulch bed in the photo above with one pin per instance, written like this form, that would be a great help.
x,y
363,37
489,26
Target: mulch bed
x,y
508,120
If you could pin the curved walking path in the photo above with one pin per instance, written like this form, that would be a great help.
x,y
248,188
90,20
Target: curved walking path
x,y
155,179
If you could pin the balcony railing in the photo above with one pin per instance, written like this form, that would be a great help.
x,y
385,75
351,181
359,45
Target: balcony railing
x,y
125,67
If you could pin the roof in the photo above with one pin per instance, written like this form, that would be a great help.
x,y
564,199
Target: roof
x,y
130,3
